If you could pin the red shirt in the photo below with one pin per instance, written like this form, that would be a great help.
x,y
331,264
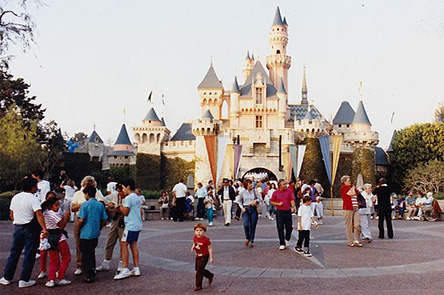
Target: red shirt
x,y
285,196
201,246
347,203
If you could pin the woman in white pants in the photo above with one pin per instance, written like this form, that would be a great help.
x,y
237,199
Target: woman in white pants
x,y
366,213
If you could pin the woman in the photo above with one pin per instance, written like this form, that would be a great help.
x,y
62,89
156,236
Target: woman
x,y
70,189
270,208
164,205
248,201
351,214
366,213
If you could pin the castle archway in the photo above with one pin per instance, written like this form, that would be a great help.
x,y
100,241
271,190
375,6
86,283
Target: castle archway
x,y
259,173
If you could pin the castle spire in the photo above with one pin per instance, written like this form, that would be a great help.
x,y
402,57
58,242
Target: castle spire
x,y
278,18
304,101
248,56
236,88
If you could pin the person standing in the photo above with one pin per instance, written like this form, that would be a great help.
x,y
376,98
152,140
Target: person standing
x,y
91,218
283,199
27,218
226,197
42,185
201,193
351,214
179,194
204,254
248,201
366,213
383,192
70,189
209,204
305,219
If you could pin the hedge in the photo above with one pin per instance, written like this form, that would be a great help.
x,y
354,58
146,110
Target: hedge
x,y
364,163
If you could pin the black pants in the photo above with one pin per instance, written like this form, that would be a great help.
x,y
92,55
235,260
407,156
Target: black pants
x,y
388,219
201,272
88,248
284,223
304,236
200,208
238,211
180,209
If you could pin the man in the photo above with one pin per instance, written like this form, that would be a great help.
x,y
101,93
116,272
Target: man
x,y
26,215
285,204
409,205
42,185
313,195
319,187
133,225
383,193
91,218
226,197
180,193
142,202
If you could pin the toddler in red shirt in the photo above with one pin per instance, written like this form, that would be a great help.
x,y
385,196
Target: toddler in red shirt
x,y
204,253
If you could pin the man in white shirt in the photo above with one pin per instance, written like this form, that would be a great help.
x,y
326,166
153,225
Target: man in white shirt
x,y
226,197
24,207
179,193
43,186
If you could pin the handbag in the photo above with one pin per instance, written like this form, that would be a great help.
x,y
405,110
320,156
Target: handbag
x,y
258,205
362,203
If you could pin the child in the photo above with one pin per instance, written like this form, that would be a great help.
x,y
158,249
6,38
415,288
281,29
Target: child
x,y
204,252
55,223
209,203
319,209
305,216
44,253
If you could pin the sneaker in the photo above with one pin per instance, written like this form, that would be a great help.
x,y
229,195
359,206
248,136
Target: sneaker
x,y
25,284
197,288
307,254
42,275
4,281
135,272
320,222
287,244
78,272
37,255
108,225
50,284
251,245
210,280
281,247
125,273
162,218
119,268
104,266
196,219
210,224
201,219
299,250
62,282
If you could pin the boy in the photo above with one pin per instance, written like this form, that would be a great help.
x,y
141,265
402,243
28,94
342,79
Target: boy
x,y
133,225
305,216
91,219
204,252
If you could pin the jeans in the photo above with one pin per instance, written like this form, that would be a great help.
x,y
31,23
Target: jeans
x,y
200,208
25,236
88,248
284,222
210,213
250,222
304,236
201,272
388,219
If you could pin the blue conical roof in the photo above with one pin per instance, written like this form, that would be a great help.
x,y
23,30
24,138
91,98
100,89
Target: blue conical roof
x,y
345,114
210,81
95,137
208,115
123,137
236,88
361,115
151,116
278,18
248,55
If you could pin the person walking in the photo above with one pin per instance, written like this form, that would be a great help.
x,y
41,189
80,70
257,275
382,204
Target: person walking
x,y
226,197
383,192
179,194
201,193
283,199
351,214
248,201
366,213
27,218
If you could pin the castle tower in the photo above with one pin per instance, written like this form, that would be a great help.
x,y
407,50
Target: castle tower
x,y
249,64
304,100
234,109
361,134
210,92
283,100
278,62
123,150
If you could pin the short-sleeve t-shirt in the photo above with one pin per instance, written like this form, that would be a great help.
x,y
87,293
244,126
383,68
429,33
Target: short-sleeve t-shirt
x,y
69,192
43,188
92,212
180,189
51,220
285,196
133,221
24,205
306,214
201,246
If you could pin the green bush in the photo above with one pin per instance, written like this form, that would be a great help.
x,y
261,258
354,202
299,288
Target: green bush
x,y
148,172
8,194
5,202
313,166
151,195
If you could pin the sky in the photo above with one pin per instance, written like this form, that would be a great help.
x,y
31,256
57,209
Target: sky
x,y
92,59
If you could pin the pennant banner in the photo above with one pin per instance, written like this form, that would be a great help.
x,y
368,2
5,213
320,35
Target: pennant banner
x,y
337,142
293,157
222,142
301,153
237,159
210,143
324,141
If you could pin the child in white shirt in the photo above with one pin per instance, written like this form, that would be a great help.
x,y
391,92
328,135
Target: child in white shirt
x,y
305,217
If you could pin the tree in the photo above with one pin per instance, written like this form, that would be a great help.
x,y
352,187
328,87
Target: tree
x,y
414,145
53,145
80,138
426,177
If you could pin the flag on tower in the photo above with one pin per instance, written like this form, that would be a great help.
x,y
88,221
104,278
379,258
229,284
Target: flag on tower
x,y
150,96
163,100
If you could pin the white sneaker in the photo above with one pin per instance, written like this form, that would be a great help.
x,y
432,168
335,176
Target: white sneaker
x,y
104,266
287,244
62,282
4,281
119,268
196,219
108,225
135,272
50,284
42,275
320,222
271,218
25,284
210,224
78,272
37,255
201,219
281,247
125,273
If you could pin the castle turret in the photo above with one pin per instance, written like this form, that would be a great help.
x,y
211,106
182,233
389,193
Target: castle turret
x,y
123,150
278,62
234,99
360,134
211,93
283,100
249,64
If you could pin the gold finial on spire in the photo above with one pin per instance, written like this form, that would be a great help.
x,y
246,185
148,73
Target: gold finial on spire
x,y
94,126
360,88
124,115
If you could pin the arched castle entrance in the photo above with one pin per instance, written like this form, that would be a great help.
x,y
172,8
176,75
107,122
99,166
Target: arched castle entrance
x,y
259,173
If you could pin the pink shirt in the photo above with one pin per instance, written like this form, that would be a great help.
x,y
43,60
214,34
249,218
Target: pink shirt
x,y
285,196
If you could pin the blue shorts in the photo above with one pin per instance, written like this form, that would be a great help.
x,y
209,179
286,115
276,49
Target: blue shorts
x,y
130,236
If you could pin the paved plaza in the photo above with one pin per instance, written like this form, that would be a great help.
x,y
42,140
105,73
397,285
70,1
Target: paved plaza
x,y
412,263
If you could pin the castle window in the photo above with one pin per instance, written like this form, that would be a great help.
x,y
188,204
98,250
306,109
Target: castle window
x,y
278,51
278,29
348,125
258,95
340,125
258,121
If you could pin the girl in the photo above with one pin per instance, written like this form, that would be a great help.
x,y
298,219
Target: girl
x,y
270,208
44,253
55,223
209,203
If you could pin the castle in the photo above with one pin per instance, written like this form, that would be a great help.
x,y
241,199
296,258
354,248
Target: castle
x,y
259,118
